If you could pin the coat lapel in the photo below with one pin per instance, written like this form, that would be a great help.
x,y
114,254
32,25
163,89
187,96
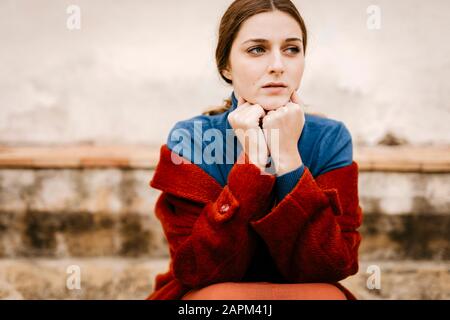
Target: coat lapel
x,y
183,178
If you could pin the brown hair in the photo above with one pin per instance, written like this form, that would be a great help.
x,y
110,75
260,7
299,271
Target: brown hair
x,y
230,24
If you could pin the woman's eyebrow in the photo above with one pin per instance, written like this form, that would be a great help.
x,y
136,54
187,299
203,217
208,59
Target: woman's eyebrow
x,y
259,40
293,39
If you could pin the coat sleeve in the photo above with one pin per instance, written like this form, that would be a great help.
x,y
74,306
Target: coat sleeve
x,y
312,233
213,242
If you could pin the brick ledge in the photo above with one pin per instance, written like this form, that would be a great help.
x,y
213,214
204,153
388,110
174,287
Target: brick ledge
x,y
380,158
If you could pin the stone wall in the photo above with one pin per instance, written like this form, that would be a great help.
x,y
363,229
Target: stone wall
x,y
103,221
109,212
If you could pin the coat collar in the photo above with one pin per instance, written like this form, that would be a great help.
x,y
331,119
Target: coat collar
x,y
176,178
174,174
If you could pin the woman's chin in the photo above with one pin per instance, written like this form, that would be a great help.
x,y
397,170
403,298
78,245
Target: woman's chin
x,y
273,104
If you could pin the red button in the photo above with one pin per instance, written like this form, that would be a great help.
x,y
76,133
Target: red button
x,y
224,208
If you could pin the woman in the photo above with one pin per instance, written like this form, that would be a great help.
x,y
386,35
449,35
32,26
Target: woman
x,y
276,218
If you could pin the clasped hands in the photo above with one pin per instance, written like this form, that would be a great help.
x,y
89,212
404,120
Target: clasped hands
x,y
275,133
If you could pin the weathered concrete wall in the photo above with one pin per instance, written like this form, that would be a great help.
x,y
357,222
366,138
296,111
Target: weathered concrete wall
x,y
102,221
95,212
113,278
135,67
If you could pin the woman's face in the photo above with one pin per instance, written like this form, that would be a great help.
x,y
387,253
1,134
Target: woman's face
x,y
268,48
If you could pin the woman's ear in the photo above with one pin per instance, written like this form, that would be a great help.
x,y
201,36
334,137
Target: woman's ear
x,y
227,74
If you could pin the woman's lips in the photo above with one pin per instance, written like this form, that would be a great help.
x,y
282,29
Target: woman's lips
x,y
274,90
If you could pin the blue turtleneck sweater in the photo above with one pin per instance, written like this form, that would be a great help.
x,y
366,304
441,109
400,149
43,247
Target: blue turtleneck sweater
x,y
325,144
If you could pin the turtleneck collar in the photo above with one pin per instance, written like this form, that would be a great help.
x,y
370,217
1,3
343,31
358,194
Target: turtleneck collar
x,y
234,101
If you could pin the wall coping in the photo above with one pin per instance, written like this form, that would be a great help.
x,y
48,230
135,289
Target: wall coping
x,y
379,158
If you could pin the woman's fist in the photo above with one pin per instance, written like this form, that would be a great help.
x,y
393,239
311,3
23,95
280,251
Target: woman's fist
x,y
282,130
245,121
279,135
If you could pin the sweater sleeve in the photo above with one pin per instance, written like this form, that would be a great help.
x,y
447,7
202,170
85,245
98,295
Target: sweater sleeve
x,y
286,182
186,139
335,150
212,242
312,233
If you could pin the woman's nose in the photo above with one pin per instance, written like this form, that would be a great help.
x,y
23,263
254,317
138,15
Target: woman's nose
x,y
276,63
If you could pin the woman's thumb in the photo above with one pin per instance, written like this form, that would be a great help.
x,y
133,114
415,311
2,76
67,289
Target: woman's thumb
x,y
241,100
294,97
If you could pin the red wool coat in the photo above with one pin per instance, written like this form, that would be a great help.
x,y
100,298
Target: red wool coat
x,y
219,234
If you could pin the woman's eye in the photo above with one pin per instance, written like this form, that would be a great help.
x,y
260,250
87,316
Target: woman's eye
x,y
258,50
294,49
252,50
